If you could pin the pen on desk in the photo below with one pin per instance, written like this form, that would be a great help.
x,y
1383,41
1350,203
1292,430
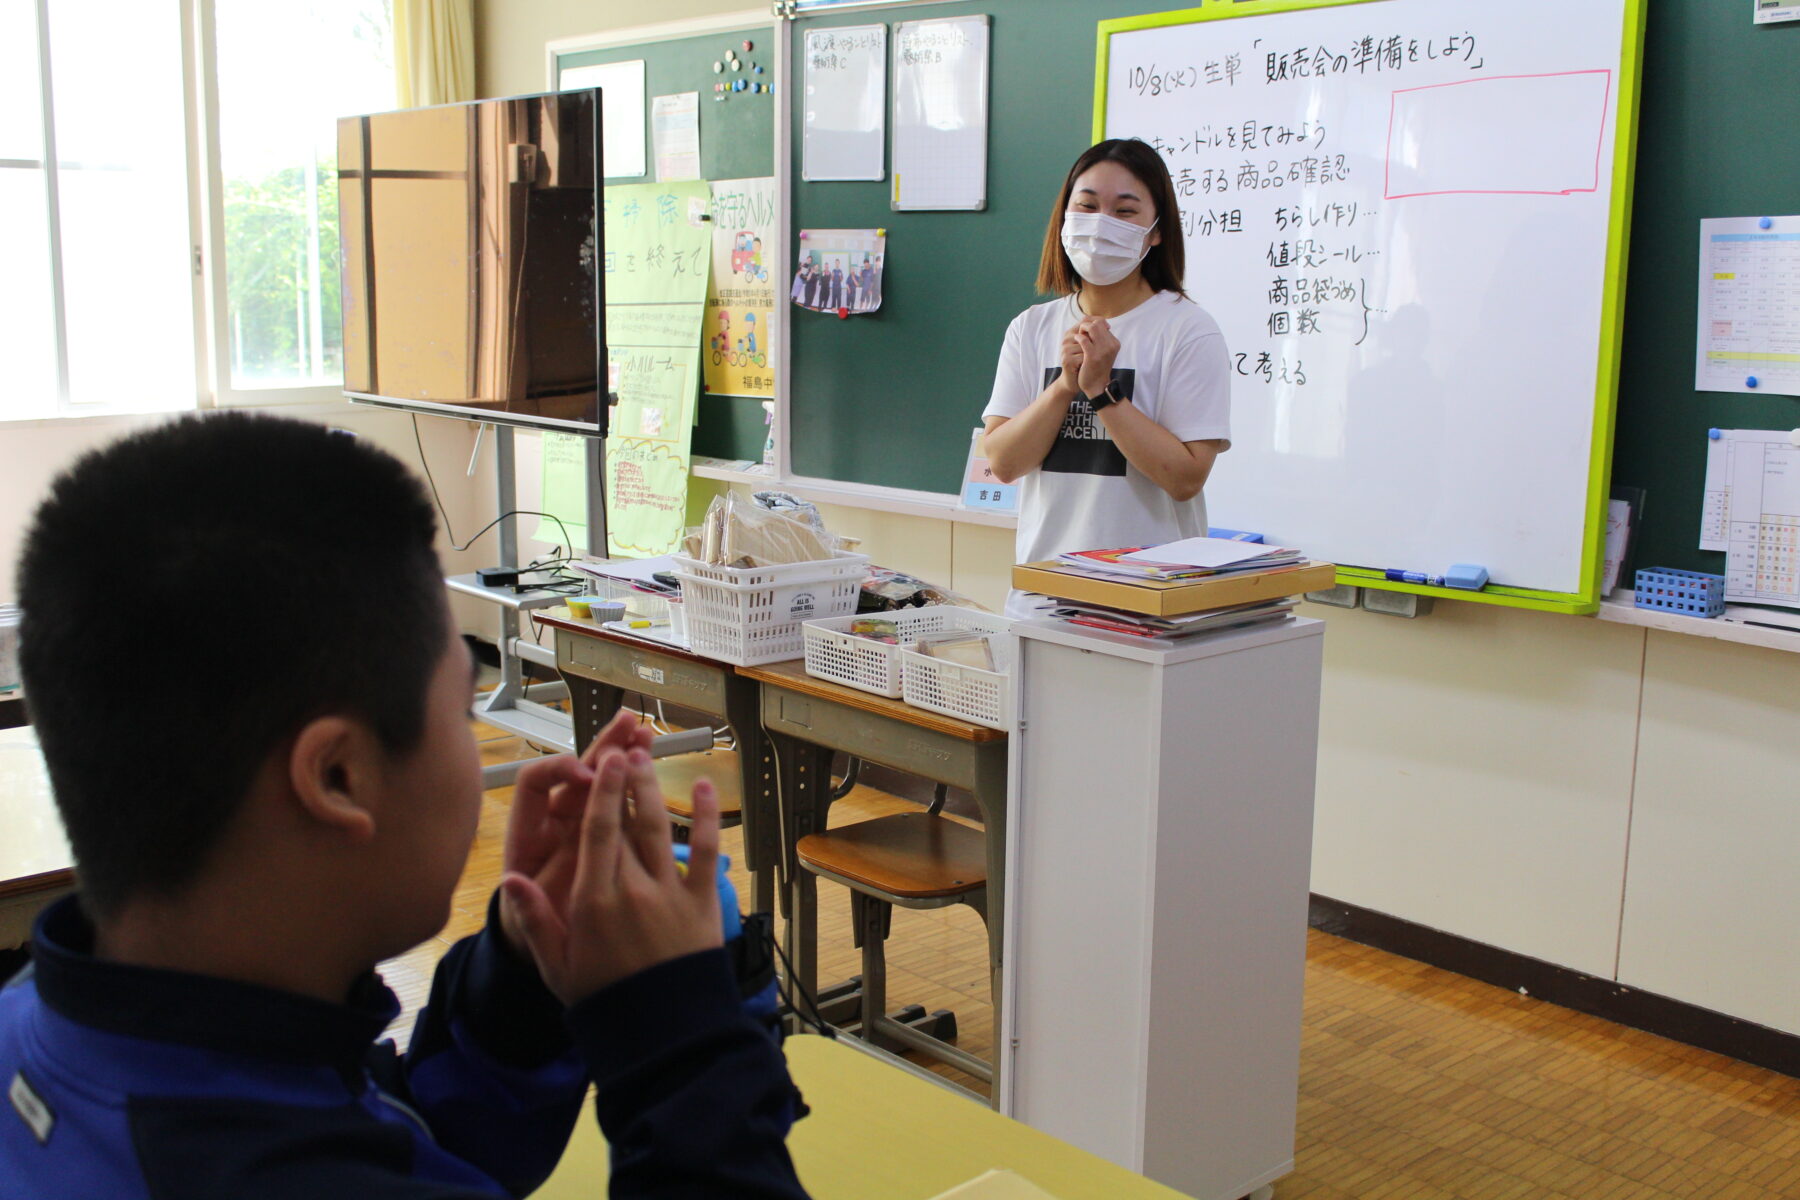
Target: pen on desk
x,y
1396,575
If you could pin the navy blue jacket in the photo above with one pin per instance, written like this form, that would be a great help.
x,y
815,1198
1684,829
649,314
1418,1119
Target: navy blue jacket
x,y
124,1082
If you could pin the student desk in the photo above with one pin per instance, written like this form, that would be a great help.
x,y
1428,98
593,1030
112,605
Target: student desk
x,y
35,863
881,1132
601,665
807,719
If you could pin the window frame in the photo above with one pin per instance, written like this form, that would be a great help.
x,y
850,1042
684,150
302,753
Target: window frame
x,y
209,287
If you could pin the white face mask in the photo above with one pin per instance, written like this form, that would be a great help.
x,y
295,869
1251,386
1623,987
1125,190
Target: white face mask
x,y
1104,249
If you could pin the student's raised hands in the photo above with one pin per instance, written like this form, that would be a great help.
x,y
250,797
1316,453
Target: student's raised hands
x,y
543,830
628,906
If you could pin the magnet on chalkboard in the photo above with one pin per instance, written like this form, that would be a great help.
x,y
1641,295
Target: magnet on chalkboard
x,y
737,64
759,68
1765,223
749,46
717,66
843,313
1794,437
1714,433
1750,382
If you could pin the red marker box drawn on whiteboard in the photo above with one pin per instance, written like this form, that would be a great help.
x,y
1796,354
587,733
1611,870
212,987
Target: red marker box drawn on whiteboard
x,y
1512,135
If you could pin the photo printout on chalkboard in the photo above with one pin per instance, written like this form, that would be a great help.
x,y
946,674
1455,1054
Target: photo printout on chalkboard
x,y
838,270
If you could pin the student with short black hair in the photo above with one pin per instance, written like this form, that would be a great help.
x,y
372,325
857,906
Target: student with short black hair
x,y
251,839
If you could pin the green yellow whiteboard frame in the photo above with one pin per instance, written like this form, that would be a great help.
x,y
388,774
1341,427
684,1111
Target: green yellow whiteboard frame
x,y
1612,305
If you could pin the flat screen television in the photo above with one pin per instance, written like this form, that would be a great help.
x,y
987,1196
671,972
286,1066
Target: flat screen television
x,y
471,250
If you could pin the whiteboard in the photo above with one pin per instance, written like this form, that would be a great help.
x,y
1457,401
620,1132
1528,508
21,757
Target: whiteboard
x,y
843,74
941,113
621,112
1400,213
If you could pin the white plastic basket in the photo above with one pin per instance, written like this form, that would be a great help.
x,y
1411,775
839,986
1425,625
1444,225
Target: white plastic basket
x,y
10,615
834,653
970,693
751,615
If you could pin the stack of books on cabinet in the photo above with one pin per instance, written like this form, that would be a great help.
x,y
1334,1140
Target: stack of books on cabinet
x,y
1178,590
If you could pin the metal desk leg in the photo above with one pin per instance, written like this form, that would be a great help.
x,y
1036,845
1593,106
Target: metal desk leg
x,y
592,705
990,798
761,801
805,771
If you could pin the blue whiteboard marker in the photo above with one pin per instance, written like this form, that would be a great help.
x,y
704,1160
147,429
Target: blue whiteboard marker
x,y
1396,575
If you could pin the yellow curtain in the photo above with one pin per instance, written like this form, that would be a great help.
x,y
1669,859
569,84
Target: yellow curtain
x,y
434,51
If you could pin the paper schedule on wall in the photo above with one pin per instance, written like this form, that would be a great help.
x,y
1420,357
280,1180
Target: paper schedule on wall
x,y
1749,335
843,98
941,113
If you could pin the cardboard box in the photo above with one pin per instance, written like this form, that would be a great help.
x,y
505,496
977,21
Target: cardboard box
x,y
1160,599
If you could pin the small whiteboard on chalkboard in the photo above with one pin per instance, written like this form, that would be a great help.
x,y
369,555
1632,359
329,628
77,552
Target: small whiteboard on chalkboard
x,y
941,113
1407,218
844,102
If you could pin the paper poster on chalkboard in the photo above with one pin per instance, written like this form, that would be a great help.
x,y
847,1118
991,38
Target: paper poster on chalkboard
x,y
1749,334
941,113
658,251
843,97
739,357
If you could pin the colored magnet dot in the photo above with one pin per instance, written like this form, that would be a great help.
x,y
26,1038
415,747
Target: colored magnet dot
x,y
737,64
1750,382
1765,223
1713,433
759,72
749,46
717,66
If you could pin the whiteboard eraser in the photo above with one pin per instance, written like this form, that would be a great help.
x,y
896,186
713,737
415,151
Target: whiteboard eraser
x,y
1471,577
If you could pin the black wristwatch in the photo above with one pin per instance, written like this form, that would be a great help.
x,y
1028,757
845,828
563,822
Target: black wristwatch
x,y
1110,394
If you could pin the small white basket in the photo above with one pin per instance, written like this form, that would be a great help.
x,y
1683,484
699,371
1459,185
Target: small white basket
x,y
970,693
834,653
10,615
751,615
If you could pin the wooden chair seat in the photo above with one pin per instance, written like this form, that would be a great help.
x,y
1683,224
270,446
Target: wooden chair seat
x,y
678,773
914,856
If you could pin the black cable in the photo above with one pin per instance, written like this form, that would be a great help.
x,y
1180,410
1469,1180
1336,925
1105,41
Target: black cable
x,y
445,517
817,1020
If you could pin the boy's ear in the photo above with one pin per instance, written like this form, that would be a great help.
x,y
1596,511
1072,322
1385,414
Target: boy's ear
x,y
334,768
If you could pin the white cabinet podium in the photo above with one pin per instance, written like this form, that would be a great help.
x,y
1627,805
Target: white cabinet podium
x,y
1159,852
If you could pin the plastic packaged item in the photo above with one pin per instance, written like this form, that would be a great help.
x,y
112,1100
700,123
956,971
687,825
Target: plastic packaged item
x,y
740,533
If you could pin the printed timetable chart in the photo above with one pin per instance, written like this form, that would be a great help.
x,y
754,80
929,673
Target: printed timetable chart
x,y
1762,552
1749,335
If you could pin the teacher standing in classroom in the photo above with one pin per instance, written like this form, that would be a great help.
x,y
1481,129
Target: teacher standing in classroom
x,y
1111,401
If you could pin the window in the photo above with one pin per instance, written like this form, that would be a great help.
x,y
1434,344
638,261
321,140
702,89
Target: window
x,y
168,171
277,153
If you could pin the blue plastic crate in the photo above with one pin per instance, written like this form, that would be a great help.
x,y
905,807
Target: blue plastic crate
x,y
1691,593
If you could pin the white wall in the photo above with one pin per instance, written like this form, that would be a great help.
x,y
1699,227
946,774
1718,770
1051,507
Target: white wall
x,y
32,453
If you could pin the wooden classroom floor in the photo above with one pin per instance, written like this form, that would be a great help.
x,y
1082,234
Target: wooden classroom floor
x,y
1415,1083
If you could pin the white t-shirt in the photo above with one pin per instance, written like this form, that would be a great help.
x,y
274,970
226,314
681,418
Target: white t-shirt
x,y
1173,365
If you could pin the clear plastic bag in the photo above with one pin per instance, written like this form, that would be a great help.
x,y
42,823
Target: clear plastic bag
x,y
742,533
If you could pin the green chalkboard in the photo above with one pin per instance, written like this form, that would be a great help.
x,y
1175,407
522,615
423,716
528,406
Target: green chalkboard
x,y
737,141
889,398
1710,144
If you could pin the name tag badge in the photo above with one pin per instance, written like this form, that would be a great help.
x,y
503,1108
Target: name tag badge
x,y
31,1108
